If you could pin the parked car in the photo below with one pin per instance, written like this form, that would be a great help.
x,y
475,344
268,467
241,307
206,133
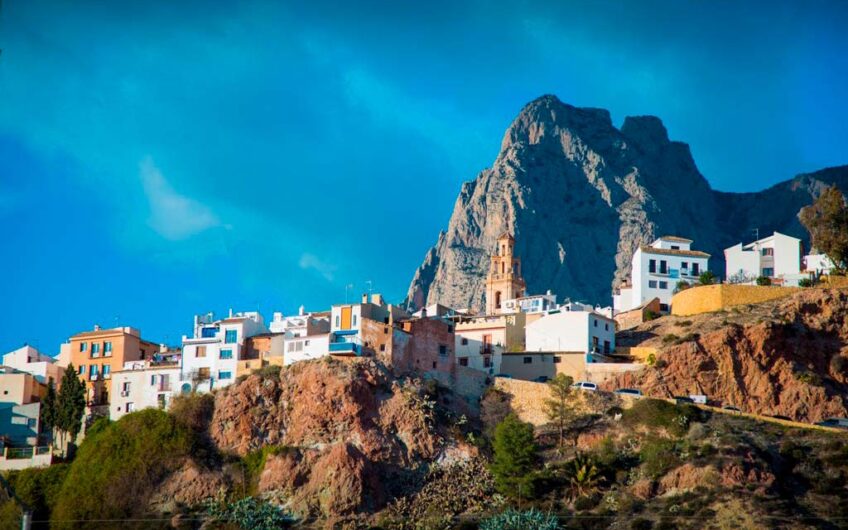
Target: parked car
x,y
585,385
700,399
731,408
542,379
504,376
839,423
635,392
682,400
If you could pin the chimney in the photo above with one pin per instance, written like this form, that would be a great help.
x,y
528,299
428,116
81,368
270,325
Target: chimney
x,y
377,298
364,298
97,327
301,310
231,313
423,312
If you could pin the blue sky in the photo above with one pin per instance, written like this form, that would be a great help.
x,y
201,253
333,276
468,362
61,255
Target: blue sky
x,y
160,159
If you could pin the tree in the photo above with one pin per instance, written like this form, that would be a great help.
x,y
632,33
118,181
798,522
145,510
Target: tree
x,y
763,281
558,408
515,456
827,221
70,405
583,477
707,278
48,409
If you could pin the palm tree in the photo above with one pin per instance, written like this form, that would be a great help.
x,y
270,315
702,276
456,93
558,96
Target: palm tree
x,y
584,478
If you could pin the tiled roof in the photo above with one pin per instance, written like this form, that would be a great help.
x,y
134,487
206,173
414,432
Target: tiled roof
x,y
673,252
676,239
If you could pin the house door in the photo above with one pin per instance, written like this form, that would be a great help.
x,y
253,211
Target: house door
x,y
346,312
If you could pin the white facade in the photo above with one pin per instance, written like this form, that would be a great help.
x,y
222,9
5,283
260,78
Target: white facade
x,y
210,357
28,359
479,342
143,384
307,347
301,324
538,303
656,270
774,257
571,331
818,263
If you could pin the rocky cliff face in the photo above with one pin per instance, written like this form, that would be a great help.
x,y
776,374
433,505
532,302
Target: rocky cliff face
x,y
785,357
580,195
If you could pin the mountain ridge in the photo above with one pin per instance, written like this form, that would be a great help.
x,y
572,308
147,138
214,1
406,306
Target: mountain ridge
x,y
580,195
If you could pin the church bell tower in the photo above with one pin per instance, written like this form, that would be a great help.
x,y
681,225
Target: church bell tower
x,y
504,281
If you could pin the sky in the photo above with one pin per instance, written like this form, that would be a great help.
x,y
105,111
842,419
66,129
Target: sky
x,y
160,159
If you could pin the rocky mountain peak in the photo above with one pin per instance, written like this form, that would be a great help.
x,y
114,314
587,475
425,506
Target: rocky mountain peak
x,y
581,195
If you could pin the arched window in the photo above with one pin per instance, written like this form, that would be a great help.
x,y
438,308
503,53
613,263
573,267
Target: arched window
x,y
497,299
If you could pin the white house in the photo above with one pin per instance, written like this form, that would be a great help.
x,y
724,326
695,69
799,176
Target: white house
x,y
28,359
537,303
301,324
305,347
480,342
143,384
571,331
349,334
818,264
210,356
656,269
776,256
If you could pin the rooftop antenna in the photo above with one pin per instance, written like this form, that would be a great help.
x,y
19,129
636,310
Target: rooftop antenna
x,y
370,287
347,287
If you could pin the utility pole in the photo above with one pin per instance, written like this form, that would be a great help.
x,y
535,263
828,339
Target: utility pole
x,y
348,286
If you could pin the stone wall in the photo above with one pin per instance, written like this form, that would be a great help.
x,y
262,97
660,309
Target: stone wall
x,y
527,399
634,317
600,372
709,298
639,353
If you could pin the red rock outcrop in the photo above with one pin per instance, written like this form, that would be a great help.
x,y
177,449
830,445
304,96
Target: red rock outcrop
x,y
349,429
784,357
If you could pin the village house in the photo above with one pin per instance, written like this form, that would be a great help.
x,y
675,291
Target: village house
x,y
363,329
96,354
424,345
20,408
572,331
777,257
43,367
656,269
818,264
147,383
210,356
482,340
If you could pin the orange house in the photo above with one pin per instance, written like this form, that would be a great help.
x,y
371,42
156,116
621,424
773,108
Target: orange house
x,y
96,354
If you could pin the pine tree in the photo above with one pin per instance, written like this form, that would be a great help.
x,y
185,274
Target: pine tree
x,y
514,458
827,221
70,404
558,408
48,409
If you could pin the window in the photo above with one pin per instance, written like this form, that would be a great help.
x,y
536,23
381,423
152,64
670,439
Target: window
x,y
95,349
306,343
684,265
231,337
226,354
675,247
450,329
130,407
208,333
663,267
663,285
768,252
107,371
382,347
82,369
92,371
594,343
83,346
695,269
337,320
224,375
354,320
463,361
160,401
464,341
443,350
557,359
200,351
606,326
528,360
107,348
652,284
434,365
664,308
606,346
204,373
385,331
126,387
487,362
596,323
652,265
768,271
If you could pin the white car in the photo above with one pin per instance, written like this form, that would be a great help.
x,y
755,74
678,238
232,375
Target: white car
x,y
634,392
585,385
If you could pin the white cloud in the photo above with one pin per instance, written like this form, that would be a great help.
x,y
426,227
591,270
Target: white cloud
x,y
172,216
311,262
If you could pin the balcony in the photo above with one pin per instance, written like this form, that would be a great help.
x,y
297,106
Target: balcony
x,y
345,348
486,349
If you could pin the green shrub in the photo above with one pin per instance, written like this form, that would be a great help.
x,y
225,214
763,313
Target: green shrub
x,y
117,468
514,458
38,487
641,524
683,323
658,456
670,338
658,413
805,282
250,513
272,371
809,378
511,519
253,464
763,280
707,278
